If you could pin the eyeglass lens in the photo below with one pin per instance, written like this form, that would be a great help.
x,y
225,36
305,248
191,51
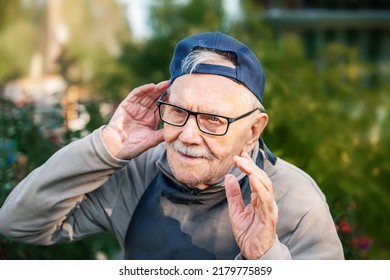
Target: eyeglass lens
x,y
206,122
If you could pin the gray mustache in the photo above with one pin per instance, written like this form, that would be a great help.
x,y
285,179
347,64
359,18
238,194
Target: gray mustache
x,y
191,151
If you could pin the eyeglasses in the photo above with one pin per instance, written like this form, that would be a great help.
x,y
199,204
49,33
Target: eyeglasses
x,y
208,123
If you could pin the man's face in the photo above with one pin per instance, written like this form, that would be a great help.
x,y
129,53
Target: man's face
x,y
208,94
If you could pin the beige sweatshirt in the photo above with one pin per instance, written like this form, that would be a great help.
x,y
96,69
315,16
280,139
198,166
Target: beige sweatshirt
x,y
82,189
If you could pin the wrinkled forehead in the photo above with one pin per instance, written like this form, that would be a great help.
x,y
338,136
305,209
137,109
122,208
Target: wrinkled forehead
x,y
208,91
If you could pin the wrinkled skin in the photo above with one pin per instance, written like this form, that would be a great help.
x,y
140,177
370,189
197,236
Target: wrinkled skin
x,y
132,130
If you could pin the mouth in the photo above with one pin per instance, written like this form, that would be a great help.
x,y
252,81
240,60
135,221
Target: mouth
x,y
189,157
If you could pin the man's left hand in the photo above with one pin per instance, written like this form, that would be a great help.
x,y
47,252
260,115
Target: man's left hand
x,y
254,225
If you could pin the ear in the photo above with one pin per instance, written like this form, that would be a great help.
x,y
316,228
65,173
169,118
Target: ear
x,y
258,124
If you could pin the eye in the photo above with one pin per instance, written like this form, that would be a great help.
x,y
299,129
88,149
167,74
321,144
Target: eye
x,y
215,120
178,110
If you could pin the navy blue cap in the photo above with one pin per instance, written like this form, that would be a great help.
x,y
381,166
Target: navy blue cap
x,y
248,70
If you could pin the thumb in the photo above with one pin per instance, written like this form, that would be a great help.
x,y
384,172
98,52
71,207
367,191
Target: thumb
x,y
233,195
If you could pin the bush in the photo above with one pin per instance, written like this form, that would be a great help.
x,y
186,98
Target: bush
x,y
23,147
330,118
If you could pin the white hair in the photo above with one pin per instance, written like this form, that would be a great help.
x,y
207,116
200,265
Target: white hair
x,y
200,56
206,56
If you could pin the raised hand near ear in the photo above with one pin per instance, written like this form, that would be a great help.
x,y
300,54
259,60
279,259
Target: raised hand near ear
x,y
254,225
132,128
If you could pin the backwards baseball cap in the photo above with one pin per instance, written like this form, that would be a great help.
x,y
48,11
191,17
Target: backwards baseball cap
x,y
247,71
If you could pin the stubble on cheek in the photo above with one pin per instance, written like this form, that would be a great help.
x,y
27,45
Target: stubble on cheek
x,y
199,175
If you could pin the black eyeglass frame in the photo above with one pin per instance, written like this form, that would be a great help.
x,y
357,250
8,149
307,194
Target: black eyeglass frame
x,y
195,114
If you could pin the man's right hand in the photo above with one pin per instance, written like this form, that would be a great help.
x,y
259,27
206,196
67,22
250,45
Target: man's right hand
x,y
132,128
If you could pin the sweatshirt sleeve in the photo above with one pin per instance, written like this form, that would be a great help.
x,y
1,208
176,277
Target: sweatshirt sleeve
x,y
278,251
314,238
39,209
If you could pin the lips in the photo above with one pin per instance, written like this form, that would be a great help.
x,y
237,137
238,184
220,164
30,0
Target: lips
x,y
186,156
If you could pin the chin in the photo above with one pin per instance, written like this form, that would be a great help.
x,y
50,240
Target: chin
x,y
187,177
194,180
199,173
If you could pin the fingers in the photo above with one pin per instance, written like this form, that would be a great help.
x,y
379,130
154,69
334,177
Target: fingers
x,y
249,167
262,197
149,92
144,97
233,195
254,225
162,86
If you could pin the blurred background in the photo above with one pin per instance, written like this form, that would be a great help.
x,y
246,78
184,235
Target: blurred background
x,y
65,65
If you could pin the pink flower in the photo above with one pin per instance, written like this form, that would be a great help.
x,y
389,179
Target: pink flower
x,y
365,242
344,226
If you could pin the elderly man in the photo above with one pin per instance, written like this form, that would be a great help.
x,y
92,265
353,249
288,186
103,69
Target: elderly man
x,y
203,187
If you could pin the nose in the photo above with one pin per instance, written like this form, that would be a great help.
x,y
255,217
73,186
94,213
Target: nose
x,y
190,133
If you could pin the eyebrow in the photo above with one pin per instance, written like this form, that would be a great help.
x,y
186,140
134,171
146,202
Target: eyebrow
x,y
206,111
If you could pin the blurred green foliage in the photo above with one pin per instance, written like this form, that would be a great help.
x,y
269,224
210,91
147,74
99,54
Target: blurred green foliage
x,y
329,118
333,124
23,147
